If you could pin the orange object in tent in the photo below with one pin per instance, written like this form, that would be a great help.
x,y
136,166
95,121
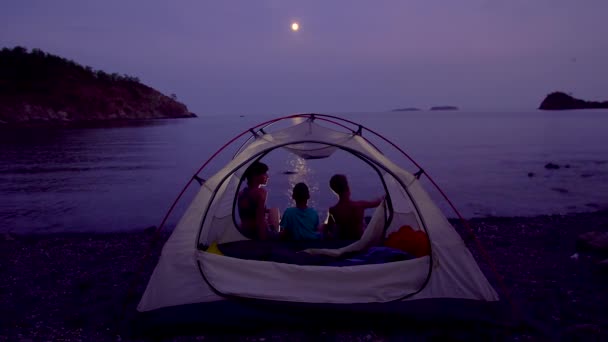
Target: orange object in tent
x,y
415,242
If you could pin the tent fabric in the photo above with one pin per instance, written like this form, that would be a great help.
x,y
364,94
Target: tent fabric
x,y
186,275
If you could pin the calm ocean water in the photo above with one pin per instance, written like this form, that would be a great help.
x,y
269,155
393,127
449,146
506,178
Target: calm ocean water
x,y
124,177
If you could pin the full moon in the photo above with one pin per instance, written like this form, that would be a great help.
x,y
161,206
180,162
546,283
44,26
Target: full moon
x,y
295,27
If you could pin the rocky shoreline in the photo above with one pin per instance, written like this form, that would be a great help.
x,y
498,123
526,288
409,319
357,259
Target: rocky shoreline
x,y
77,286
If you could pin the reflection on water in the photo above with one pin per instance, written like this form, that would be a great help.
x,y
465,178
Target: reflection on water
x,y
301,173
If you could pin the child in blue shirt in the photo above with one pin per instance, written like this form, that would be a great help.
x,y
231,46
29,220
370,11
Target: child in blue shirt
x,y
301,222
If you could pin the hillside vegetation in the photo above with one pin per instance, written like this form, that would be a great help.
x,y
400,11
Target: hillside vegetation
x,y
43,88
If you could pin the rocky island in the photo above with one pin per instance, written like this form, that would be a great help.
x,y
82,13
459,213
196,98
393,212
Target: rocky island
x,y
561,101
37,87
444,108
406,109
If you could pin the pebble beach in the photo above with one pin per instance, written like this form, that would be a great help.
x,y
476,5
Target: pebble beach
x,y
83,286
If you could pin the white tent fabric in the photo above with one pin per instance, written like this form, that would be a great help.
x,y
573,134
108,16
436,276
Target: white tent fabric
x,y
177,278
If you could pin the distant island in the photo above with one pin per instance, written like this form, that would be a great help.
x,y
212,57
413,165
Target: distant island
x,y
407,109
444,108
37,87
561,101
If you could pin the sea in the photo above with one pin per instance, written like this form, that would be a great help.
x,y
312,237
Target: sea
x,y
125,176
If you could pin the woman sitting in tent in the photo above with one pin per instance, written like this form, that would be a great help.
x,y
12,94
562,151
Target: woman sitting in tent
x,y
252,203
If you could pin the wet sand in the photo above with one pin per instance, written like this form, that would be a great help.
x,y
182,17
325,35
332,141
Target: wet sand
x,y
75,286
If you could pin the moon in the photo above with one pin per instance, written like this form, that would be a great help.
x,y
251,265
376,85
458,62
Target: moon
x,y
295,26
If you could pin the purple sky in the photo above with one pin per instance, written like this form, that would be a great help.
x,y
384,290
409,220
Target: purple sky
x,y
241,57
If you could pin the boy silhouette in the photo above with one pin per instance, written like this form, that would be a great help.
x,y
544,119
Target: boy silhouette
x,y
346,216
301,222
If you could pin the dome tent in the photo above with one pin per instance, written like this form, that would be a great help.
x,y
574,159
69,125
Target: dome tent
x,y
190,283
